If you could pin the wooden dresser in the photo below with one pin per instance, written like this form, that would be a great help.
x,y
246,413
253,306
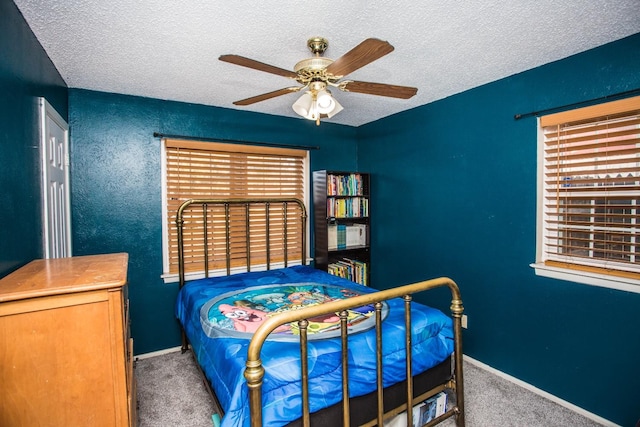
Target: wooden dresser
x,y
66,355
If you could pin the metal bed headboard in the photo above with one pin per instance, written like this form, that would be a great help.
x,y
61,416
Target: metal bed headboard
x,y
204,204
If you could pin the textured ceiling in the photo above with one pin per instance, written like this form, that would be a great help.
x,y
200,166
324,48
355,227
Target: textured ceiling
x,y
169,49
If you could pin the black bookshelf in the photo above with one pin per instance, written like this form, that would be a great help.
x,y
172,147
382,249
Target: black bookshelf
x,y
341,205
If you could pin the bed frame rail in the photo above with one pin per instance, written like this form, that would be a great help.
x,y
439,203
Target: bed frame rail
x,y
254,372
199,209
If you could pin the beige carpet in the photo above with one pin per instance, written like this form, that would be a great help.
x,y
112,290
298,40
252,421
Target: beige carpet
x,y
171,394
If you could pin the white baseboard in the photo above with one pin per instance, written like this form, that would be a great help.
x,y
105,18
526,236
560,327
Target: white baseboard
x,y
158,353
542,393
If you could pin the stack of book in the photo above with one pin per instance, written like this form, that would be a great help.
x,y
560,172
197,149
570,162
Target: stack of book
x,y
430,409
343,236
422,413
351,269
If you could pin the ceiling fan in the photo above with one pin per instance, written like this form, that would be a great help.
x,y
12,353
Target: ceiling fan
x,y
317,74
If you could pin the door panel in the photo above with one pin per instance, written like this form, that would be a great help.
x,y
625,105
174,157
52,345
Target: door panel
x,y
55,182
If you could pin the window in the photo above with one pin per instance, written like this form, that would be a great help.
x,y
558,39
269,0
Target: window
x,y
589,195
198,170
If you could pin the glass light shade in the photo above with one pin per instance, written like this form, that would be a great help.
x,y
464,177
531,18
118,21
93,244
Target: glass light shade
x,y
304,105
336,109
325,102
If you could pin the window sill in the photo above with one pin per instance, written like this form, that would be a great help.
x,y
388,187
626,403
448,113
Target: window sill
x,y
587,278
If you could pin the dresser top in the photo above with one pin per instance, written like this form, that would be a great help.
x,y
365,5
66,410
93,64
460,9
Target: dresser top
x,y
44,277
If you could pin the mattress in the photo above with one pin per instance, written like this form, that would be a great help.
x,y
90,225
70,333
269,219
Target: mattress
x,y
220,314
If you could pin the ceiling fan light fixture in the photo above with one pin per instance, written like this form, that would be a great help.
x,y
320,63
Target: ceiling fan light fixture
x,y
313,105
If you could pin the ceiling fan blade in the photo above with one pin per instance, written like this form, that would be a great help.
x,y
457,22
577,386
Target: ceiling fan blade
x,y
380,89
269,95
361,55
257,65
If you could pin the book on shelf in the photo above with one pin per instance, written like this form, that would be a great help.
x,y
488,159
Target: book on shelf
x,y
351,269
355,207
344,185
342,236
332,237
362,234
345,236
356,235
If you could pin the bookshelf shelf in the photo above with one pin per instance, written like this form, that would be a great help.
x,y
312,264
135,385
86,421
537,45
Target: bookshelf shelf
x,y
342,225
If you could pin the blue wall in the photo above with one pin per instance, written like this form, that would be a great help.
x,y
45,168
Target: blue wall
x,y
116,187
26,73
466,171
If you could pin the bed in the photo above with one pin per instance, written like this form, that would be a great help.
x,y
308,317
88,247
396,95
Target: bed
x,y
286,344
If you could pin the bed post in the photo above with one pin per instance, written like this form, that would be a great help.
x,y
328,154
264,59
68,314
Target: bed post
x,y
267,229
456,312
303,232
379,386
227,236
409,366
247,234
344,333
304,374
205,239
254,373
180,224
286,236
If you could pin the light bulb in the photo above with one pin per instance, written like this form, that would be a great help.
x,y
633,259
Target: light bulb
x,y
325,102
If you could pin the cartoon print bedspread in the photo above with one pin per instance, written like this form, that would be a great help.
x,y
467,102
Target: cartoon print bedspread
x,y
220,314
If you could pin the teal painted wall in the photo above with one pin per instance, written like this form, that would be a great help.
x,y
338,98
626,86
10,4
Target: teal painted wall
x,y
116,192
466,174
26,73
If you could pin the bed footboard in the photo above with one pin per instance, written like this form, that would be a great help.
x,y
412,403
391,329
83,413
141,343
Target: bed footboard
x,y
254,372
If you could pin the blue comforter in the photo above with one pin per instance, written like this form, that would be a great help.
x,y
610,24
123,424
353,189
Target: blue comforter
x,y
219,315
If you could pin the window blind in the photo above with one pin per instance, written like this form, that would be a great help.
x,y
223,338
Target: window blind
x,y
199,170
592,188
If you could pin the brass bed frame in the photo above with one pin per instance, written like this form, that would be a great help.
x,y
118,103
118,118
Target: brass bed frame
x,y
254,371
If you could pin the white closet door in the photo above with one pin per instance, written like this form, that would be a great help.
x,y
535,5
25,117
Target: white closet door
x,y
54,151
